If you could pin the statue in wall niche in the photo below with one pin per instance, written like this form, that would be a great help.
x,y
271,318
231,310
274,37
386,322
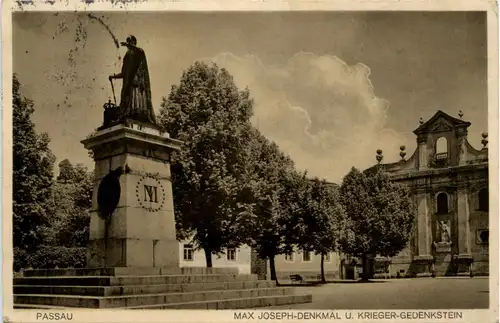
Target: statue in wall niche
x,y
444,231
135,98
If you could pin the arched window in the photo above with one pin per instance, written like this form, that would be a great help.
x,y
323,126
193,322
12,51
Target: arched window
x,y
483,236
442,203
483,199
441,148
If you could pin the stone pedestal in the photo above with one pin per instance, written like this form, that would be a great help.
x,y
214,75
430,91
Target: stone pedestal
x,y
443,247
141,230
423,266
463,264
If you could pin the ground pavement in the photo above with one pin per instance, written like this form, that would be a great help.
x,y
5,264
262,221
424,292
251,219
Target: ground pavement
x,y
415,293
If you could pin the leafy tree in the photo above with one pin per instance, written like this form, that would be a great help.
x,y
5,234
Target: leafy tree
x,y
72,200
213,190
68,220
274,231
33,164
378,217
321,223
66,171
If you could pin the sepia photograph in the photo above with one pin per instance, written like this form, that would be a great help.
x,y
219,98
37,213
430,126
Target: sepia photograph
x,y
300,160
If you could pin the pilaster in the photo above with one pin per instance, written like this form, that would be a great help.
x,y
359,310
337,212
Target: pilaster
x,y
461,134
422,152
463,220
423,221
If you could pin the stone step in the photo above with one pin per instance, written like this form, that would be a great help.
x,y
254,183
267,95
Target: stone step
x,y
131,280
148,299
138,289
128,271
235,303
36,306
238,303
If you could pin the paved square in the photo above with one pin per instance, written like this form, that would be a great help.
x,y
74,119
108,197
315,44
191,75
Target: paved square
x,y
417,293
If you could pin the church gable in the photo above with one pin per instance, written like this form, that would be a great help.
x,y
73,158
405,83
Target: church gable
x,y
440,122
440,125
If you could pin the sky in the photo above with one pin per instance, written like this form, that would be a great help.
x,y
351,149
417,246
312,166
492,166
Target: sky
x,y
330,88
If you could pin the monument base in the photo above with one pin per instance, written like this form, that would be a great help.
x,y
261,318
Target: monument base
x,y
463,264
150,288
132,253
422,266
132,218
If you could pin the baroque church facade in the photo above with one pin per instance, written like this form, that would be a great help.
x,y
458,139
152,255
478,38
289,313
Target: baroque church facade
x,y
448,181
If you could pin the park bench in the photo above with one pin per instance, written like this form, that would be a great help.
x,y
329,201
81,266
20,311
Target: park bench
x,y
296,278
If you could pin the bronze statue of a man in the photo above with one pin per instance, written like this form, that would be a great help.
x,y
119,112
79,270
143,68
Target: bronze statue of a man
x,y
135,100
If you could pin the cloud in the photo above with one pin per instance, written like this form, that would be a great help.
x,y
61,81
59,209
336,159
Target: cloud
x,y
321,111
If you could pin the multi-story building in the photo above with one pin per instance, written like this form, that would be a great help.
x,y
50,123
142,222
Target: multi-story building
x,y
448,179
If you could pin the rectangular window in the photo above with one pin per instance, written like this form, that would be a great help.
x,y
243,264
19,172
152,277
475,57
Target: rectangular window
x,y
188,252
231,254
306,256
289,257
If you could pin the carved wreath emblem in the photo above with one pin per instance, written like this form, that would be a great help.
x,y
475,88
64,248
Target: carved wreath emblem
x,y
441,126
150,193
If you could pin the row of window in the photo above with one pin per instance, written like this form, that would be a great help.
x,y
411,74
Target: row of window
x,y
442,201
231,255
189,253
306,257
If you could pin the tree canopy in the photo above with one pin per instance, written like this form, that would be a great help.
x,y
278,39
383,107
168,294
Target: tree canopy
x,y
33,166
50,216
273,229
213,189
379,216
71,201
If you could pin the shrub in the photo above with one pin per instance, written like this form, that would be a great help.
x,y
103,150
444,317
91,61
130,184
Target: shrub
x,y
47,257
20,259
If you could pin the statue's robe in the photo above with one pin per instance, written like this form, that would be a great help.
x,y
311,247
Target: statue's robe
x,y
135,101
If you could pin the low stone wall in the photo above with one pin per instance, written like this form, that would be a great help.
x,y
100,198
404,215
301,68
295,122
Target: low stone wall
x,y
308,275
409,269
481,268
258,266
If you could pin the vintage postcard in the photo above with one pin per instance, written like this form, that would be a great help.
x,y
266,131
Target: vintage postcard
x,y
250,161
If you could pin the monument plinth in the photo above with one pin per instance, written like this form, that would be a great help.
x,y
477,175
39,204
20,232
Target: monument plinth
x,y
132,169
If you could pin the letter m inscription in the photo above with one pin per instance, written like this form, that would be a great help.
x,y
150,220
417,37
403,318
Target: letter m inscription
x,y
150,193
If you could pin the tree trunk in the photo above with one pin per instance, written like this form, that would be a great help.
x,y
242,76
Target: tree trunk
x,y
366,265
208,257
272,267
323,279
